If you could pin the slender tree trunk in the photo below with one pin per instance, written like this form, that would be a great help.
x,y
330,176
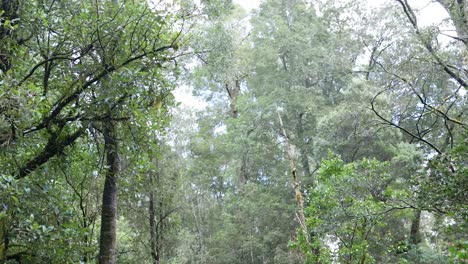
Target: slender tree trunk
x,y
156,219
303,152
243,173
153,237
160,229
155,226
9,12
4,240
107,242
85,257
415,234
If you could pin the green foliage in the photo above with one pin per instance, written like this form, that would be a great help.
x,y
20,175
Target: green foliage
x,y
347,215
424,254
444,189
458,252
372,108
72,64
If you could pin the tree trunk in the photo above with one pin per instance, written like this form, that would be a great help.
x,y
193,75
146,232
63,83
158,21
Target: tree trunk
x,y
458,12
303,152
156,219
297,189
415,234
153,237
243,174
155,226
107,242
10,12
160,229
3,237
233,90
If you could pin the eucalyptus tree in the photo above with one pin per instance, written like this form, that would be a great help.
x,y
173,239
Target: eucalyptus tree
x,y
223,42
236,158
301,70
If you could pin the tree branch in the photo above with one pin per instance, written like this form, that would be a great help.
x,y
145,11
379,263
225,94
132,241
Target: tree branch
x,y
52,148
412,18
400,127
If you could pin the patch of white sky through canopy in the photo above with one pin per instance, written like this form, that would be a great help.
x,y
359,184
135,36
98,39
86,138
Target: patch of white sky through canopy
x,y
430,11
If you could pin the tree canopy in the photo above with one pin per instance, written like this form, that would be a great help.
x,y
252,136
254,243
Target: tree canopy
x,y
327,132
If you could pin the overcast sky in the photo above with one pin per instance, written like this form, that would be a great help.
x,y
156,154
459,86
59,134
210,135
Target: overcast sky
x,y
431,12
248,4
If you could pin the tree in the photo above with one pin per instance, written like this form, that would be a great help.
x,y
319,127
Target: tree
x,y
63,82
430,92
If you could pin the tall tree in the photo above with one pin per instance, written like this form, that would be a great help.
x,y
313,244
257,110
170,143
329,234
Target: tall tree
x,y
59,81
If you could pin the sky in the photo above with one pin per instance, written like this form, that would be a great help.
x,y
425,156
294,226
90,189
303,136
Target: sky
x,y
248,4
430,11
